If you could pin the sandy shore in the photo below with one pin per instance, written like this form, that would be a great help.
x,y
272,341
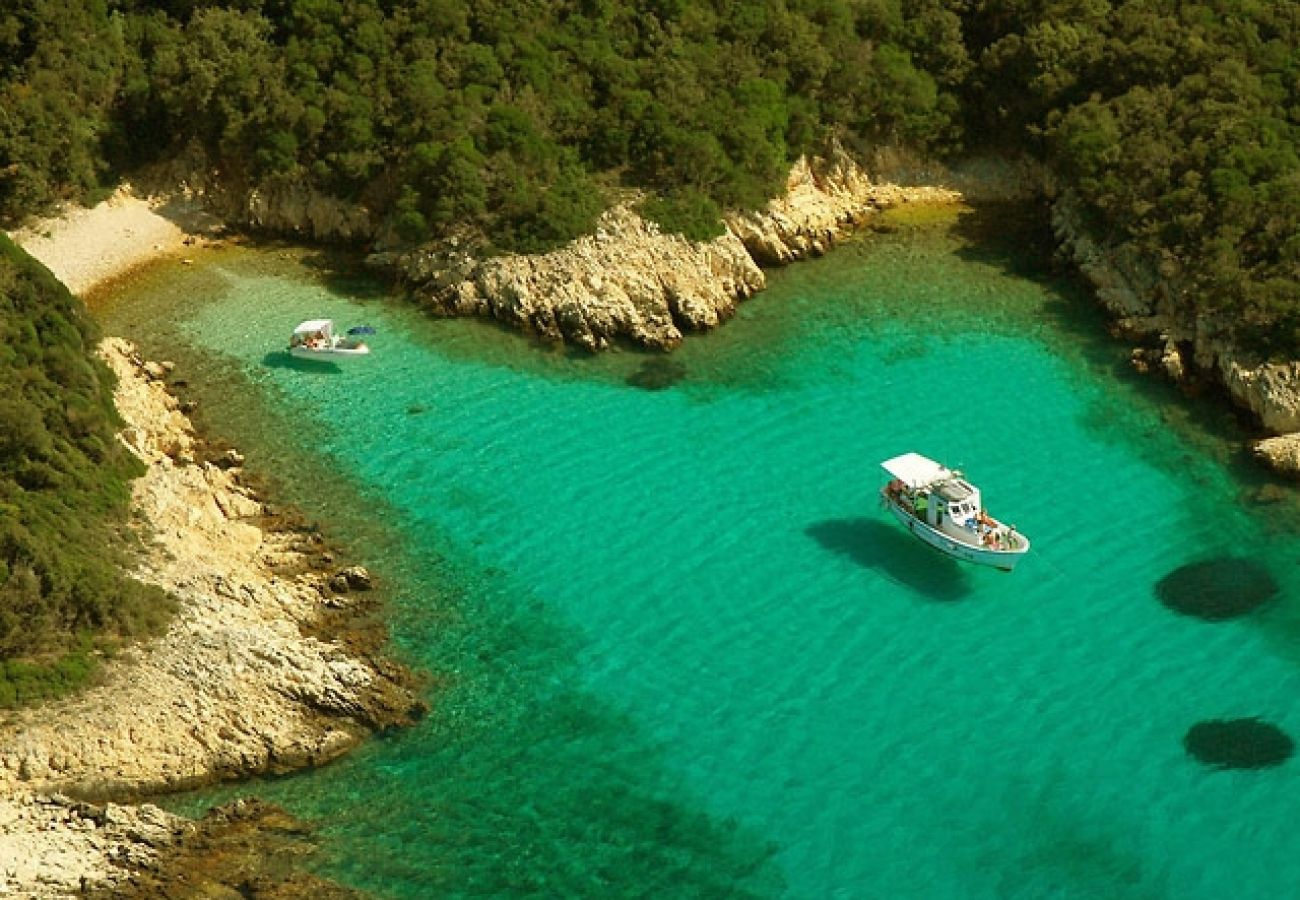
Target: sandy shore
x,y
261,669
86,248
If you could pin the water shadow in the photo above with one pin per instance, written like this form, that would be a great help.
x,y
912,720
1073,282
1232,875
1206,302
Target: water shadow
x,y
657,373
901,558
281,359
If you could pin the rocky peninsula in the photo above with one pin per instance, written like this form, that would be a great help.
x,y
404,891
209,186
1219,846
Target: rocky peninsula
x,y
248,678
631,282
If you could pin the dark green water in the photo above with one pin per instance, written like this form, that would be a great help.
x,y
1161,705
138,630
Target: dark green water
x,y
677,650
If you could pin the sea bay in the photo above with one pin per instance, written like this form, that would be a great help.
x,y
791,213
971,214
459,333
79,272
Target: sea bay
x,y
675,647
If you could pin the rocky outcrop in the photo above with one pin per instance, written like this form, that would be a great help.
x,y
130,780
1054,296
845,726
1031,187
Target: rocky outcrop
x,y
627,280
239,684
292,209
1281,453
1127,286
53,846
632,282
1270,390
246,848
824,200
280,206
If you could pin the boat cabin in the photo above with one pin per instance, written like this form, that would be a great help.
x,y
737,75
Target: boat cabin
x,y
939,496
314,334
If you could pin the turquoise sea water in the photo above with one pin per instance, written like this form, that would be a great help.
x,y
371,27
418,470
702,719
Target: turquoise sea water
x,y
676,648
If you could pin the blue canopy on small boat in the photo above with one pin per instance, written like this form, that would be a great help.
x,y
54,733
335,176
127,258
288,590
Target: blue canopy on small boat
x,y
361,329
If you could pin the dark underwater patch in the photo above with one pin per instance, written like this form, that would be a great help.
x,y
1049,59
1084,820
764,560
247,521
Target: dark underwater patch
x,y
1217,589
1238,743
657,373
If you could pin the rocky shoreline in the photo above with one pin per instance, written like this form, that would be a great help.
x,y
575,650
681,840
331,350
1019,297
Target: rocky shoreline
x,y
245,680
1143,303
631,282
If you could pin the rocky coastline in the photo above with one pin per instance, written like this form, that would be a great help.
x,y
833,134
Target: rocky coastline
x,y
631,282
1142,299
248,678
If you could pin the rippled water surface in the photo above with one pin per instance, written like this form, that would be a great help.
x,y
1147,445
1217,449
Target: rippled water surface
x,y
675,647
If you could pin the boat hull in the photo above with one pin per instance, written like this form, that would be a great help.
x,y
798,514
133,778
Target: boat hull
x,y
984,556
330,353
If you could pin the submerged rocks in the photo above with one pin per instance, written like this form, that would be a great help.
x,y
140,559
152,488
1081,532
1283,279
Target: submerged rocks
x,y
246,848
1248,743
657,373
1217,589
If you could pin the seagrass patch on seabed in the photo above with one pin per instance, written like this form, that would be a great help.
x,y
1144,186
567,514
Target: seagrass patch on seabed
x,y
1217,589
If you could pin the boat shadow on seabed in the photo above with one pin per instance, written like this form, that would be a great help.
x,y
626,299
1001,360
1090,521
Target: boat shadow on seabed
x,y
283,359
877,545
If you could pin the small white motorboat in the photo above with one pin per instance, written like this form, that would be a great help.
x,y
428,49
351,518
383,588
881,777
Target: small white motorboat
x,y
315,339
942,508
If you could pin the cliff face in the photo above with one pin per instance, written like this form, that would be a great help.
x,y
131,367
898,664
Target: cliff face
x,y
630,281
1141,298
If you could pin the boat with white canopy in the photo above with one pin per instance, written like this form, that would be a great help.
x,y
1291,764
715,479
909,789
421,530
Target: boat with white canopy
x,y
315,339
942,508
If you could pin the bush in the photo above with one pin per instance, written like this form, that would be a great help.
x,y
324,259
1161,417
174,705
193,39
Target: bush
x,y
686,212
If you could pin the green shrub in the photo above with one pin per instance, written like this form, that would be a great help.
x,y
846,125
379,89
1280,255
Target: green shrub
x,y
686,212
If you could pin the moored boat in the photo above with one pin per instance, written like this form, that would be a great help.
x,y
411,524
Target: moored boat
x,y
939,506
315,339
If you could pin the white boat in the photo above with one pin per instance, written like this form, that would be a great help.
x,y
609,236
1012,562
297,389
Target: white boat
x,y
942,508
315,339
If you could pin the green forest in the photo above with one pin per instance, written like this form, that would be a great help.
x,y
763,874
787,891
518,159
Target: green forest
x,y
513,123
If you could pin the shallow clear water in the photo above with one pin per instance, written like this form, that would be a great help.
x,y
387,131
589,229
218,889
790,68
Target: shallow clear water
x,y
676,648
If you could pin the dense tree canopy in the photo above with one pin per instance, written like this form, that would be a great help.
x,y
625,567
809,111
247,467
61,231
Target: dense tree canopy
x,y
1179,125
514,120
505,117
63,488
